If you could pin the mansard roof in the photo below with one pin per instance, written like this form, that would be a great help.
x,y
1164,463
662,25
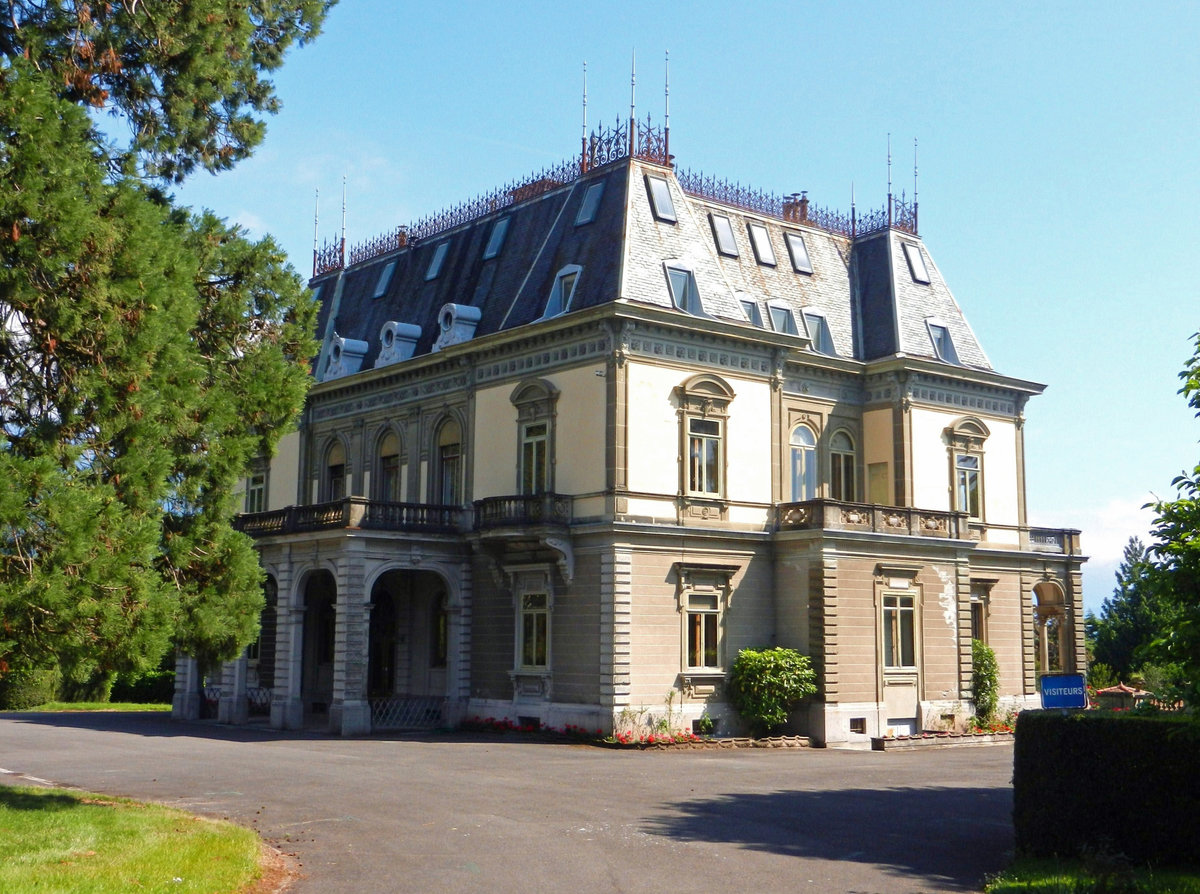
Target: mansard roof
x,y
870,284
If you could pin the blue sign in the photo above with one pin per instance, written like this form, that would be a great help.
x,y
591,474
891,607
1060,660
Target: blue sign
x,y
1063,691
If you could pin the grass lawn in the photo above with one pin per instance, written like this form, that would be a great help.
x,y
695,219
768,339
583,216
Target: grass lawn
x,y
96,706
59,841
1091,877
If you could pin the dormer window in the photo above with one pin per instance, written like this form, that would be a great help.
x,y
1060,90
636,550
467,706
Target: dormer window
x,y
590,204
436,262
385,279
660,199
916,263
943,344
723,233
782,319
752,312
562,291
684,294
818,332
496,239
760,240
798,252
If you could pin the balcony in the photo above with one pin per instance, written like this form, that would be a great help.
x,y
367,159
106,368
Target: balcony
x,y
351,512
523,510
831,515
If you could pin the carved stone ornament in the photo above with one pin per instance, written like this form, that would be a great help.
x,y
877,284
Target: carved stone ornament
x,y
854,517
895,520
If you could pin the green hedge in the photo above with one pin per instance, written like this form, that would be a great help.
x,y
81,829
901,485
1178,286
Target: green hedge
x,y
1098,781
152,687
23,689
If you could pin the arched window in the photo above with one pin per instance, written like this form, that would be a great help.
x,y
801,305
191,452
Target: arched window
x,y
535,401
804,463
843,483
448,482
703,412
1051,633
388,486
333,485
966,438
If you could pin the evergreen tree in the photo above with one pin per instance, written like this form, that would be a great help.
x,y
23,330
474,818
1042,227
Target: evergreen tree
x,y
1130,619
147,354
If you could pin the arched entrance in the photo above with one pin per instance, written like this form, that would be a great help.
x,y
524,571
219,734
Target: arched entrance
x,y
1051,633
320,617
407,652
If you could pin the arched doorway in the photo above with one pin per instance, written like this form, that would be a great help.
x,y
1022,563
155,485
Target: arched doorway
x,y
407,652
320,622
1051,629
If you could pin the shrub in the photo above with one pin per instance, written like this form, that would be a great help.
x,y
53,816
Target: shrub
x,y
764,685
985,680
151,687
1125,780
23,689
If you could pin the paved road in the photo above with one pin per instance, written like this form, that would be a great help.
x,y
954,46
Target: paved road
x,y
496,814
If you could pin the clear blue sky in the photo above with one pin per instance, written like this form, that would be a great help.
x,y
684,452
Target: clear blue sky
x,y
1059,171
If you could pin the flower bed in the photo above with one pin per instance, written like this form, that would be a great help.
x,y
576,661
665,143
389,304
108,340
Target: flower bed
x,y
628,739
941,738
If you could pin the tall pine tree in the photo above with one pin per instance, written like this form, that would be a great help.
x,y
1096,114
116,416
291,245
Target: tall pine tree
x,y
147,354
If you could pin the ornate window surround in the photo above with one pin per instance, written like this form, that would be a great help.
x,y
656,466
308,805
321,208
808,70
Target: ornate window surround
x,y
703,397
536,401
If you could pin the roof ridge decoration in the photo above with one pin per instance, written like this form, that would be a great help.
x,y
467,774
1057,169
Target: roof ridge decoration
x,y
625,139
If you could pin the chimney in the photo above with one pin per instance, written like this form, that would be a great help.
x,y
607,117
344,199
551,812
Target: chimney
x,y
795,207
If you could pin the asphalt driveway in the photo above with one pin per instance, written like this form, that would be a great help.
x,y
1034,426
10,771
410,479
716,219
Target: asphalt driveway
x,y
499,814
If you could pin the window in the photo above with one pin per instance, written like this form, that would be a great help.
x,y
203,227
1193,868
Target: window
x,y
752,312
702,622
660,199
334,485
496,239
798,252
449,459
723,233
760,240
980,594
916,263
966,437
943,345
704,456
562,291
804,463
703,406
818,331
590,204
842,462
435,263
384,280
899,644
388,487
533,458
256,492
782,319
684,294
966,484
534,644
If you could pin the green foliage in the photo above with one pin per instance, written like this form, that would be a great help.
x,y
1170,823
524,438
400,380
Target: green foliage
x,y
1175,574
1101,676
764,685
1130,619
985,680
1097,776
147,356
24,689
187,76
1095,874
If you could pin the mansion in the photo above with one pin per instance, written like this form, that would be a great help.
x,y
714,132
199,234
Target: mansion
x,y
573,445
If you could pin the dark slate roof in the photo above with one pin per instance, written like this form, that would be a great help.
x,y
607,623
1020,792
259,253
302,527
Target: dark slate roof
x,y
862,287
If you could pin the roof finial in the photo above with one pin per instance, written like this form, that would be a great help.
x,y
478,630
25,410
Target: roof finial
x,y
583,159
667,113
889,169
343,249
853,213
915,229
632,104
316,226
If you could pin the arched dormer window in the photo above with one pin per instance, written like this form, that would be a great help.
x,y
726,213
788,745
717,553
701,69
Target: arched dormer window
x,y
803,443
536,401
966,437
703,412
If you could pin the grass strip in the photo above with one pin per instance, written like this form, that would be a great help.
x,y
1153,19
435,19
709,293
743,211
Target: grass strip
x,y
62,841
62,707
1091,876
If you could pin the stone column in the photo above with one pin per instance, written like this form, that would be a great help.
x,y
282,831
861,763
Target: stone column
x,y
186,703
287,708
233,707
350,714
